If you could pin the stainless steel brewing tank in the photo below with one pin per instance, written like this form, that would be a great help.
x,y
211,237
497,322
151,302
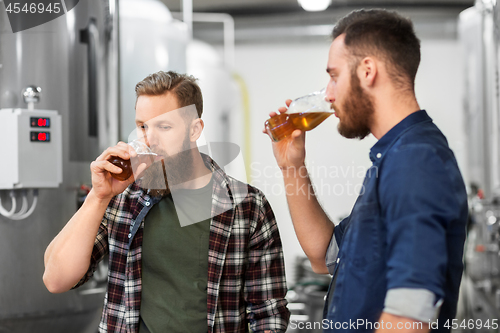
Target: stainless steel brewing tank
x,y
73,59
479,36
150,41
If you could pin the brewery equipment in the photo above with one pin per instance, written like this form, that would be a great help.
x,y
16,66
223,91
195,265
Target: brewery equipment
x,y
81,69
150,41
479,35
306,298
70,63
222,136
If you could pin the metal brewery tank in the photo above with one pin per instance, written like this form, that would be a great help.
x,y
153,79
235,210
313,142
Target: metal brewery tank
x,y
73,59
222,108
150,41
219,92
480,290
479,36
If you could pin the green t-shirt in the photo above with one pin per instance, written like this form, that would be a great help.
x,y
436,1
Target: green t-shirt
x,y
175,263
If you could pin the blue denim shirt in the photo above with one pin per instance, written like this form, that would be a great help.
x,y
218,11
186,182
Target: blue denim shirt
x,y
405,232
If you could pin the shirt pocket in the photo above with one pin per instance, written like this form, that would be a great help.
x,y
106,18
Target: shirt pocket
x,y
364,236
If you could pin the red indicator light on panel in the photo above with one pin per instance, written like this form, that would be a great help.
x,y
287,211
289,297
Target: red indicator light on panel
x,y
40,136
39,122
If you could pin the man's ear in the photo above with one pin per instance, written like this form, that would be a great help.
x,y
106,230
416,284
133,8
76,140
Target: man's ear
x,y
367,72
195,129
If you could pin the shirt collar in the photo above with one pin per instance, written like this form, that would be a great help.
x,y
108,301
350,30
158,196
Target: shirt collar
x,y
382,146
217,173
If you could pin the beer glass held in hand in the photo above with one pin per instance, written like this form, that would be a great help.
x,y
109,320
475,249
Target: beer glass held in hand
x,y
144,155
304,113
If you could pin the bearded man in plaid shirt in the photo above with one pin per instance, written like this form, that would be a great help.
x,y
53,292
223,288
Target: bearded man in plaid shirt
x,y
190,248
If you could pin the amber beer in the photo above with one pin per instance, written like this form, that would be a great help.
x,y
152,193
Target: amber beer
x,y
126,165
144,155
283,125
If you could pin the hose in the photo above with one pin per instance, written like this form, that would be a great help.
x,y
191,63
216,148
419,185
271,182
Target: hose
x,y
24,212
3,211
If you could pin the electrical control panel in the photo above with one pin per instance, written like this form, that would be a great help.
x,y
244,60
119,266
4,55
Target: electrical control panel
x,y
31,149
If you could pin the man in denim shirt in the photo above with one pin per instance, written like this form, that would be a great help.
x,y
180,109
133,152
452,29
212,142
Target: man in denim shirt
x,y
396,261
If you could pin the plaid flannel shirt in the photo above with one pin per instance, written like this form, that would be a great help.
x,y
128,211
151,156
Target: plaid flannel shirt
x,y
246,275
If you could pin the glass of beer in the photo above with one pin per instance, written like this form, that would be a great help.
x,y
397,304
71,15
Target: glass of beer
x,y
144,155
304,113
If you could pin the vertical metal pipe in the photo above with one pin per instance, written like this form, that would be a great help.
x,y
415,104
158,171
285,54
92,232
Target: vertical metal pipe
x,y
228,31
187,16
229,41
114,75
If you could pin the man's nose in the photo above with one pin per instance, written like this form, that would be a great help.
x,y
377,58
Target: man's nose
x,y
330,93
151,138
148,136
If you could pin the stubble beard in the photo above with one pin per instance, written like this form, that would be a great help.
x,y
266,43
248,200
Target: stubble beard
x,y
357,112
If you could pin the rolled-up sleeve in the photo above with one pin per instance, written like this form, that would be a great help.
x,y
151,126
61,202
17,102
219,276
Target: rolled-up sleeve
x,y
418,304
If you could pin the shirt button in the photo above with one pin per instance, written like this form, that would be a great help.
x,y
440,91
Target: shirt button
x,y
129,235
148,203
379,155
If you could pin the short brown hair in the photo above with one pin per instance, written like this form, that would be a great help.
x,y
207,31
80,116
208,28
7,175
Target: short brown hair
x,y
384,34
182,85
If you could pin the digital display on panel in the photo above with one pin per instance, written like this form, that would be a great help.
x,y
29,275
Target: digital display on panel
x,y
40,136
39,122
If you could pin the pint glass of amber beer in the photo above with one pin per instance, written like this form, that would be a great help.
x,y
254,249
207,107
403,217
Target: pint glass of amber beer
x,y
304,113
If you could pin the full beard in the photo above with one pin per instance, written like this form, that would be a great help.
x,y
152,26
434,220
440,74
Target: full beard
x,y
170,171
357,112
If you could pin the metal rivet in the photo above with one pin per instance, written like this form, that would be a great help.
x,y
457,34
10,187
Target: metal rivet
x,y
379,155
148,203
129,235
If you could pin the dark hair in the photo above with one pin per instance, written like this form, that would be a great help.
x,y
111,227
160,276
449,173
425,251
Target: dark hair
x,y
182,85
386,35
